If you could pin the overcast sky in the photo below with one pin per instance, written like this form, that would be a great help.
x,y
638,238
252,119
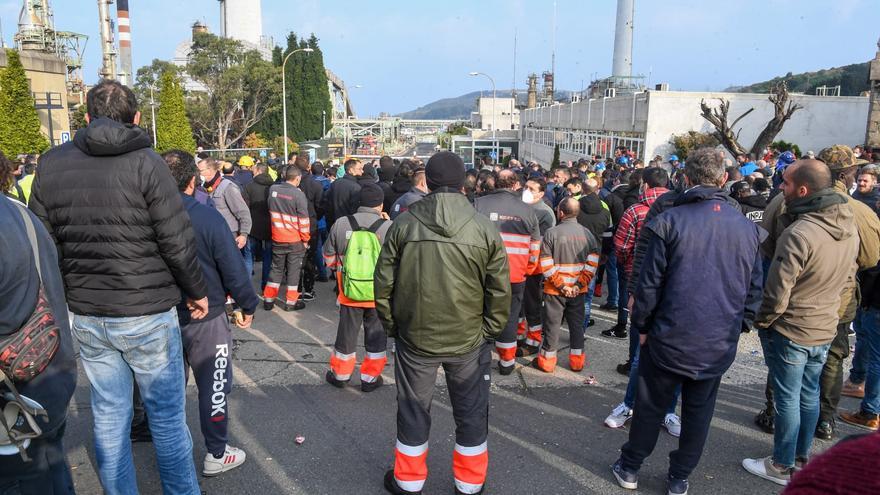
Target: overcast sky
x,y
409,53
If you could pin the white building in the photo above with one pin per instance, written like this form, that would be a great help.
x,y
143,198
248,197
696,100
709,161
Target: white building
x,y
645,122
506,115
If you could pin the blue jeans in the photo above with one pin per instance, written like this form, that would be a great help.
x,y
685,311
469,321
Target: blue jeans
x,y
794,374
319,254
613,281
114,352
861,354
870,339
265,247
632,386
247,252
588,303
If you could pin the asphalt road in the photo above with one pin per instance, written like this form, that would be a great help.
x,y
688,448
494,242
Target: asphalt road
x,y
546,432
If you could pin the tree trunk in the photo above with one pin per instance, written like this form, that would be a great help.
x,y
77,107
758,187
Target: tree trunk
x,y
783,110
724,131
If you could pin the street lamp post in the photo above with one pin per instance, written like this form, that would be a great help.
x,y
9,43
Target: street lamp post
x,y
494,97
284,95
323,123
153,115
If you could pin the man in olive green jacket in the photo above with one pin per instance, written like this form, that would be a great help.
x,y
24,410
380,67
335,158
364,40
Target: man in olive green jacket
x,y
442,291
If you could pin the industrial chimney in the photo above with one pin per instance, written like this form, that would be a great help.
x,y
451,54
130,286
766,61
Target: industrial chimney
x,y
621,65
532,101
108,49
123,20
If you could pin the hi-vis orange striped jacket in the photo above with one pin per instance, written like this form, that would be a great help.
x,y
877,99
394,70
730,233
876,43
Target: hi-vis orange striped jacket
x,y
289,214
518,224
569,256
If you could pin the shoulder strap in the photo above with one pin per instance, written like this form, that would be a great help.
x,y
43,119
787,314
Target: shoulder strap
x,y
377,225
355,226
32,237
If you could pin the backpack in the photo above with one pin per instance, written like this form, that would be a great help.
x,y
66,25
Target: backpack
x,y
360,260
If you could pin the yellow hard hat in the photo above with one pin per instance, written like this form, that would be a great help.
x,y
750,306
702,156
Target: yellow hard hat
x,y
246,161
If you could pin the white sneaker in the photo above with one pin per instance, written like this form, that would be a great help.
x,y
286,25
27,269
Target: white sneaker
x,y
764,468
672,423
619,416
232,458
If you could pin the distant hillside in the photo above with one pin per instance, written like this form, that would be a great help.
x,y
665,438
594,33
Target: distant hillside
x,y
852,79
461,107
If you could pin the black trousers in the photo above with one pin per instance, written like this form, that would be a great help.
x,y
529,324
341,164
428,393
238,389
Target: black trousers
x,y
309,270
656,390
532,300
46,474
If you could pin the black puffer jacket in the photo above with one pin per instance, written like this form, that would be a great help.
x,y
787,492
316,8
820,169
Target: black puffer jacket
x,y
395,191
314,192
594,216
126,244
256,195
342,198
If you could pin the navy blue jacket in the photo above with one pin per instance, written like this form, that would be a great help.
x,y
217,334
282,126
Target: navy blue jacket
x,y
700,277
220,260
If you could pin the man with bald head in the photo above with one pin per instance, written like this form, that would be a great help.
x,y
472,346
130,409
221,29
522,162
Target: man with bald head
x,y
814,259
518,224
569,259
842,165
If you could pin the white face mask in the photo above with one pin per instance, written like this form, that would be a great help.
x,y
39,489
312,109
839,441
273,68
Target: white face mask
x,y
527,196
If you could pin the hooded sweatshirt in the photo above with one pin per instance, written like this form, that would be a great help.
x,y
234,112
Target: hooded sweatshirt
x,y
442,285
815,258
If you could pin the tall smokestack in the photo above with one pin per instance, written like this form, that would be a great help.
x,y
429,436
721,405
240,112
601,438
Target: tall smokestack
x,y
123,20
108,50
621,65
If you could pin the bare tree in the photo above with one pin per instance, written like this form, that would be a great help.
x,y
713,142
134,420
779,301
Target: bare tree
x,y
727,133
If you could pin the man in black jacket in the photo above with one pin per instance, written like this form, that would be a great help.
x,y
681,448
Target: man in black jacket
x,y
314,192
256,195
126,251
342,197
596,218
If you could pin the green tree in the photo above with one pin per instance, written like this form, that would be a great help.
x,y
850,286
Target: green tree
x,y
172,126
240,89
147,77
555,162
19,122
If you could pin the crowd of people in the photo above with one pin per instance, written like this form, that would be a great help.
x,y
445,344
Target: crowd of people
x,y
157,257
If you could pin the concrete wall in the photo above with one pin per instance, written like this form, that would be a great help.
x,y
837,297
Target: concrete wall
x,y
623,114
822,122
46,73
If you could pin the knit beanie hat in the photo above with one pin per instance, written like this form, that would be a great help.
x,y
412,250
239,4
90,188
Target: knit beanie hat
x,y
445,169
371,195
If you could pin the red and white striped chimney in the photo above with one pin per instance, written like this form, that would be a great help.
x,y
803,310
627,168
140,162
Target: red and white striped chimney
x,y
126,76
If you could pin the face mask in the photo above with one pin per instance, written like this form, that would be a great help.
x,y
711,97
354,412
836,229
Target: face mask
x,y
528,197
853,189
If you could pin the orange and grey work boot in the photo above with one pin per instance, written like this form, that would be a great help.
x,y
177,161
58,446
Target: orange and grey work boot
x,y
341,368
576,359
546,361
371,370
392,487
861,419
506,356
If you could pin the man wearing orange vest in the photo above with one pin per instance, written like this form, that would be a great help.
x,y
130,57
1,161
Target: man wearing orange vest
x,y
289,215
518,224
356,313
569,259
